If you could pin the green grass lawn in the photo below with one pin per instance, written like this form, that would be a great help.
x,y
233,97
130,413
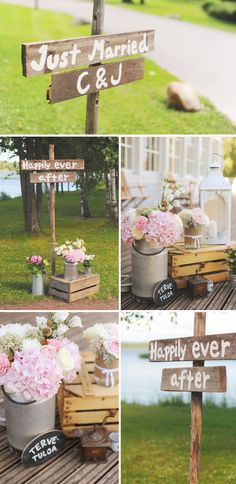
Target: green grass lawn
x,y
136,108
99,234
155,444
188,10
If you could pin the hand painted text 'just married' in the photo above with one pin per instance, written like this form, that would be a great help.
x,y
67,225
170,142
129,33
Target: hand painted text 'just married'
x,y
52,56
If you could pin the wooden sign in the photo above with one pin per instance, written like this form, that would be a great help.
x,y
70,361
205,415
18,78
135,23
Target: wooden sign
x,y
53,177
52,56
164,292
211,347
68,85
196,379
42,448
44,165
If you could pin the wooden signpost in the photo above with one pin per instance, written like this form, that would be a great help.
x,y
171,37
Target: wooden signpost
x,y
197,379
95,52
47,171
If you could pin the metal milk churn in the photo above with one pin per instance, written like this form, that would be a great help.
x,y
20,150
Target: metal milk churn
x,y
149,266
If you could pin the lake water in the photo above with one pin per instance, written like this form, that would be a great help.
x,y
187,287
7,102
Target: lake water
x,y
10,184
141,380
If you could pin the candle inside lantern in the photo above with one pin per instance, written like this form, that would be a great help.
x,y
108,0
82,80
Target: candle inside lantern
x,y
212,229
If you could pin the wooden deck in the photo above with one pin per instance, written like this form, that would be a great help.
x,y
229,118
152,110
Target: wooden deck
x,y
67,467
222,297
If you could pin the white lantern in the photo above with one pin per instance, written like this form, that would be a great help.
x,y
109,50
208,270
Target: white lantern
x,y
215,200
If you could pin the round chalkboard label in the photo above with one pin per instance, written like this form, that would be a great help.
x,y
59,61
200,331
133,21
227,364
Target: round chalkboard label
x,y
164,292
42,448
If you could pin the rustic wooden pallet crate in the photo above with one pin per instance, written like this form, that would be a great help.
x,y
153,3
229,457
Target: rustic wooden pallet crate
x,y
208,261
69,291
83,403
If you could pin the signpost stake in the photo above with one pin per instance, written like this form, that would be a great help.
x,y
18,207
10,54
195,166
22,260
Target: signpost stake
x,y
52,213
93,99
196,409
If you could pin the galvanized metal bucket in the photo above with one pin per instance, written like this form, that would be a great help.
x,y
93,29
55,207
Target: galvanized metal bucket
x,y
38,284
149,266
87,270
70,270
27,420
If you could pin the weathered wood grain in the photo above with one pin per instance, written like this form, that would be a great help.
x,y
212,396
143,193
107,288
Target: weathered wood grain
x,y
76,52
196,379
51,165
209,347
53,177
72,84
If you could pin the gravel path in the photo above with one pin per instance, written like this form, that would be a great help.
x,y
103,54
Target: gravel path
x,y
202,56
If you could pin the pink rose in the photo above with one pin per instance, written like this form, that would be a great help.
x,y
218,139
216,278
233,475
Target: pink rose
x,y
36,259
4,364
112,347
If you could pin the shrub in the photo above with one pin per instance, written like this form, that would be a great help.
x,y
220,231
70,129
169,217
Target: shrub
x,y
222,10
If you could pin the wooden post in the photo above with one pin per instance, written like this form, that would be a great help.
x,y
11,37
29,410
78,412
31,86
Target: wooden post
x,y
52,213
93,99
196,409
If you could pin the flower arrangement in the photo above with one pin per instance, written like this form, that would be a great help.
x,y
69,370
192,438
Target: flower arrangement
x,y
231,253
33,364
193,218
104,341
37,264
151,224
72,251
88,259
168,196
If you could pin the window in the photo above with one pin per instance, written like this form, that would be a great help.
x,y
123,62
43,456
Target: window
x,y
191,147
204,156
151,158
127,153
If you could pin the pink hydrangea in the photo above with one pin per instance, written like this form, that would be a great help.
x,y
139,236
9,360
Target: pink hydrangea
x,y
73,255
4,366
111,345
163,228
55,343
141,223
36,259
35,374
126,230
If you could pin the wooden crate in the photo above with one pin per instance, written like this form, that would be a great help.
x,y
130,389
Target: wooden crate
x,y
209,261
83,403
83,286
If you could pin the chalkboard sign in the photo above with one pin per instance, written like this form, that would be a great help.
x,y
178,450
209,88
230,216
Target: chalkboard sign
x,y
43,448
164,292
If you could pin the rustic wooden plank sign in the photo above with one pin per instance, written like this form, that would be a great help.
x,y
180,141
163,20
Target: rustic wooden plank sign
x,y
210,347
52,56
197,379
44,165
43,448
164,292
68,85
53,177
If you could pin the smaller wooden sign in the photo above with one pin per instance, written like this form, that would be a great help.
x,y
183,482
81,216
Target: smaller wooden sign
x,y
53,177
43,448
165,292
46,165
196,379
209,347
68,85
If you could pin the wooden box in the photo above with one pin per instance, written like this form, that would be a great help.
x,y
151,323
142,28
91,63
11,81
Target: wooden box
x,y
197,286
209,261
83,403
83,286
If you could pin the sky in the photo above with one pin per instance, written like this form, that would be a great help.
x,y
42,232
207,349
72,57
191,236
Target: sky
x,y
163,327
8,157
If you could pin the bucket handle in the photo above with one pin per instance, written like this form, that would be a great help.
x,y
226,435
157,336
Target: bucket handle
x,y
154,253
